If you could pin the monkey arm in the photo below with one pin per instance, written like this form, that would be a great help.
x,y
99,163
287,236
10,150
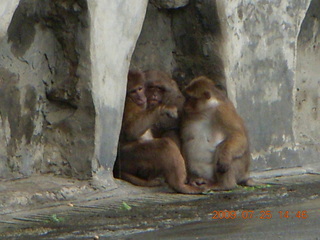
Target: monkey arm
x,y
236,142
135,125
233,147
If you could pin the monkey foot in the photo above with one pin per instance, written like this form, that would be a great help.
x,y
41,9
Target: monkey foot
x,y
220,187
202,183
248,182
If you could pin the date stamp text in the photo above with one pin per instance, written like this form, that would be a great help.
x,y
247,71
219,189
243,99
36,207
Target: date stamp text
x,y
264,214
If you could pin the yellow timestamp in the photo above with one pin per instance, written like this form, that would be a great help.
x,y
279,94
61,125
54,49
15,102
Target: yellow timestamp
x,y
263,214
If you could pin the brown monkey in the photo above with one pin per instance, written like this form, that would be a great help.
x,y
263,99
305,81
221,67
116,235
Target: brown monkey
x,y
143,158
214,139
161,89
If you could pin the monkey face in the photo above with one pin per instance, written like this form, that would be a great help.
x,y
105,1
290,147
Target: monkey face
x,y
154,95
135,88
138,96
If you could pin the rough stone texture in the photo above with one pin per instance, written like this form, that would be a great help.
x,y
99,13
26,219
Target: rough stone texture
x,y
7,9
263,78
47,111
306,122
63,68
21,96
112,43
62,84
170,3
271,55
184,42
155,43
105,215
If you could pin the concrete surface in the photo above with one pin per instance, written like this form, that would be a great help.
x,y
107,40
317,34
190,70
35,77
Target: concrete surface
x,y
271,53
63,74
56,208
293,226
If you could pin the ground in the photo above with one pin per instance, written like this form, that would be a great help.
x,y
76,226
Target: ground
x,y
47,207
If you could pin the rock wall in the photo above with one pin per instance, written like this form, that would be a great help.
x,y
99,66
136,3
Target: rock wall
x,y
264,78
183,38
115,28
306,121
63,67
266,54
47,112
62,84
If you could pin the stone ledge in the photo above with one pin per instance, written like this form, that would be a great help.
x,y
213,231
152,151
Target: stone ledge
x,y
39,190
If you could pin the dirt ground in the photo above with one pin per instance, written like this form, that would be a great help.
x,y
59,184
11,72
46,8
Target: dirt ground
x,y
47,207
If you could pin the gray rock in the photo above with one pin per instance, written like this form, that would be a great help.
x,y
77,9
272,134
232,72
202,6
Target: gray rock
x,y
63,67
62,84
168,4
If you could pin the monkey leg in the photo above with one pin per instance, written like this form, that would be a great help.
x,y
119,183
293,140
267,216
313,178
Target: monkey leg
x,y
230,150
225,180
174,168
156,157
241,166
243,178
132,166
236,174
140,181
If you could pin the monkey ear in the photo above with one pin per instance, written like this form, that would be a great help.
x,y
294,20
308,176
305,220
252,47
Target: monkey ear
x,y
207,94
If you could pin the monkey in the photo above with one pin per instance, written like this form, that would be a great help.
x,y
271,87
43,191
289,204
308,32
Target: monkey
x,y
215,141
143,158
161,89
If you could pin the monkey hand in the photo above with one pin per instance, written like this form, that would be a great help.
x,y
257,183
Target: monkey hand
x,y
223,167
223,158
171,112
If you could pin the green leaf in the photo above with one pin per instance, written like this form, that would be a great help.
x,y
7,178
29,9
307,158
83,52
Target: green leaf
x,y
126,206
55,218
